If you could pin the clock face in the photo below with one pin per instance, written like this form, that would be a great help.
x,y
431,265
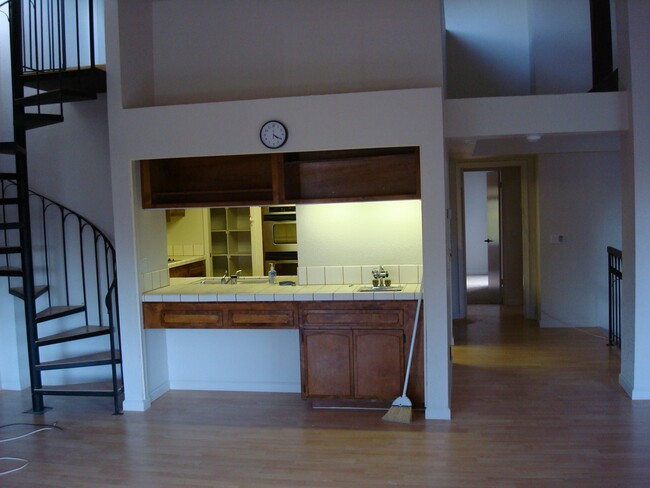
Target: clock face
x,y
273,134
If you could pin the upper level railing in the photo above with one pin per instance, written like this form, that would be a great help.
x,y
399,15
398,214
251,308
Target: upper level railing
x,y
58,34
614,257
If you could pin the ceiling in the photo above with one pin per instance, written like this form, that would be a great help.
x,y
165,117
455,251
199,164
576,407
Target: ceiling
x,y
520,144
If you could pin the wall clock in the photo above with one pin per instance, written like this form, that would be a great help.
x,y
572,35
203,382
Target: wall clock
x,y
273,134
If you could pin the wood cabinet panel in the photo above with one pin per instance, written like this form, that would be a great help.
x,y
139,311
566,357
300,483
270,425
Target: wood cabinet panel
x,y
378,363
346,317
354,352
261,318
264,179
381,334
197,182
211,315
327,364
361,178
160,315
188,270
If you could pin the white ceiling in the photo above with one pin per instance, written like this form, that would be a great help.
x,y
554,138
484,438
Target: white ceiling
x,y
518,145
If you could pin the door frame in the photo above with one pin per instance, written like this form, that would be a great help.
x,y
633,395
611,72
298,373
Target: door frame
x,y
530,231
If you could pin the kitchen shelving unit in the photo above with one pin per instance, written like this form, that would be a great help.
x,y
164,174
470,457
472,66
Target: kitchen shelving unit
x,y
236,240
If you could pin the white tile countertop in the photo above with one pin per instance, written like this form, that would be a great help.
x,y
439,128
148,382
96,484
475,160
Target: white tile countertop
x,y
191,290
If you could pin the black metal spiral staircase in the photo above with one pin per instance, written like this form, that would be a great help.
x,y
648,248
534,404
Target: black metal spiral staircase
x,y
60,264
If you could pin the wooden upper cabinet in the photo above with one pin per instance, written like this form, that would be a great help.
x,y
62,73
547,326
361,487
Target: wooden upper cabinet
x,y
265,179
343,176
207,181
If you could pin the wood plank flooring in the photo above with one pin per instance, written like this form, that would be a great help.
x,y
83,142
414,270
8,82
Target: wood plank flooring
x,y
531,407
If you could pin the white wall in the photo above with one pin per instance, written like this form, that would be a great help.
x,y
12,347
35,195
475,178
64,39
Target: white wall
x,y
259,49
6,128
580,199
69,162
560,33
514,47
475,187
634,40
488,48
372,233
372,119
198,360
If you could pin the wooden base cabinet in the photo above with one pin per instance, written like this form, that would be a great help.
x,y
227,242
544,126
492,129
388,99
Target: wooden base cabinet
x,y
327,363
354,353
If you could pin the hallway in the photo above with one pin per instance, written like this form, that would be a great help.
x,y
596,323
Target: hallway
x,y
531,407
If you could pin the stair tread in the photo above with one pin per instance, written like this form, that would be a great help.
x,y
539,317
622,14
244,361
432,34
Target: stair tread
x,y
95,359
11,148
10,250
9,225
73,334
55,96
101,387
19,291
9,176
34,121
10,271
57,311
94,78
9,201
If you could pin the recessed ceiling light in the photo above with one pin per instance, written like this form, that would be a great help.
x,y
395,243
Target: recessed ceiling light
x,y
533,137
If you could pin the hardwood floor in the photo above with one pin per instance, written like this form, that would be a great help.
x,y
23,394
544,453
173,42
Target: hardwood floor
x,y
531,407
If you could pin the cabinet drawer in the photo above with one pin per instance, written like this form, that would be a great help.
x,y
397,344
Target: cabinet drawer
x,y
210,315
261,318
347,317
158,315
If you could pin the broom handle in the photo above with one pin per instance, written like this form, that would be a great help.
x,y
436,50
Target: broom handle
x,y
415,329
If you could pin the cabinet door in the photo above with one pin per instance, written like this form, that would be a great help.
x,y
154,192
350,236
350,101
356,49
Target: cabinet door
x,y
378,363
327,363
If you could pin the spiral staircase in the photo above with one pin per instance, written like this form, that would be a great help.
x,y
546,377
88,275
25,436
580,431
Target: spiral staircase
x,y
59,264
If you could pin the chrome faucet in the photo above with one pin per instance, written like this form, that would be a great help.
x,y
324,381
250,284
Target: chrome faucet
x,y
379,275
234,278
225,278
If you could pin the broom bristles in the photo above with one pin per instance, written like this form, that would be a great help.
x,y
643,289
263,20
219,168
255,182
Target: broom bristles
x,y
402,415
401,411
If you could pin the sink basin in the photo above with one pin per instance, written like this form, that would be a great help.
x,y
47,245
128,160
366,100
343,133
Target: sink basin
x,y
381,288
208,281
240,280
252,279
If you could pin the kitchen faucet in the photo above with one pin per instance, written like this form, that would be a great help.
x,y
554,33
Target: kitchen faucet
x,y
379,275
232,279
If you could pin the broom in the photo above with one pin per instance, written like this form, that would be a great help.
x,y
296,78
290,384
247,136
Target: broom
x,y
402,409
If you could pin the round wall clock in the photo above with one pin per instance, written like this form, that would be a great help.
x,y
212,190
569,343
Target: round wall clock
x,y
273,134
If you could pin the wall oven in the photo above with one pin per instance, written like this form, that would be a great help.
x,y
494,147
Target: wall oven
x,y
280,239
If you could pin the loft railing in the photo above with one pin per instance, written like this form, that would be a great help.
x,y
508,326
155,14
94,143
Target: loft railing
x,y
614,257
58,34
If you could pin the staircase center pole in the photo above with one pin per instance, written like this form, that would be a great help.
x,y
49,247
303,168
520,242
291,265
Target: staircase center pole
x,y
22,185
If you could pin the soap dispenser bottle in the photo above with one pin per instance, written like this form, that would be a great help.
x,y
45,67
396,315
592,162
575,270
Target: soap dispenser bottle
x,y
273,274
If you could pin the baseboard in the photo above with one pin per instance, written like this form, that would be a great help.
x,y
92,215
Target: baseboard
x,y
437,413
267,387
159,391
136,405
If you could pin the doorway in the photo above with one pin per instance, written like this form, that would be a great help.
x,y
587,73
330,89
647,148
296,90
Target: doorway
x,y
506,227
483,258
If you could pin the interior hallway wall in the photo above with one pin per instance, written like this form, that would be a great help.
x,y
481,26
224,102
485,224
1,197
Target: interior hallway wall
x,y
580,200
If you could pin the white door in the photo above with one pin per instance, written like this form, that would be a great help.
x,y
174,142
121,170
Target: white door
x,y
493,238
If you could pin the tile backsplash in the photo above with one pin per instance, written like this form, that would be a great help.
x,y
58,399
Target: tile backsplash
x,y
154,279
185,250
350,275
